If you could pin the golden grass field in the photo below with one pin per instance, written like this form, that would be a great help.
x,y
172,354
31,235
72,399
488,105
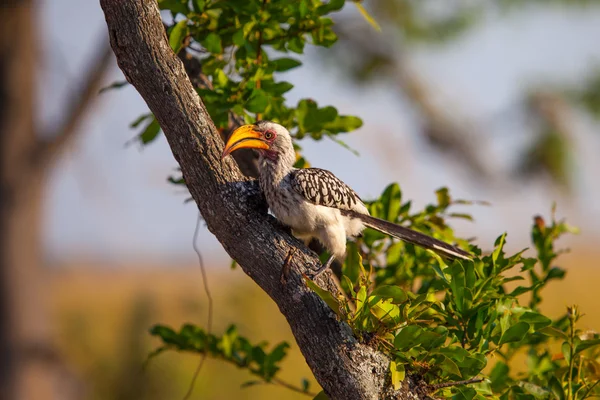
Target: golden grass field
x,y
102,315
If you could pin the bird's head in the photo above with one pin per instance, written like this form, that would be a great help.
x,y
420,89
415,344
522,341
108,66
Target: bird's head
x,y
271,140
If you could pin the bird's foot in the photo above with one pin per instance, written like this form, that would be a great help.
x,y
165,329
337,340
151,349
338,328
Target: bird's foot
x,y
285,270
323,268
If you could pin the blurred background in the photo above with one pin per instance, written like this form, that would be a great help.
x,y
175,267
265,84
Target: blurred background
x,y
498,100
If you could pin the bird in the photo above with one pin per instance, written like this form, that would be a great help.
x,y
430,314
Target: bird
x,y
313,202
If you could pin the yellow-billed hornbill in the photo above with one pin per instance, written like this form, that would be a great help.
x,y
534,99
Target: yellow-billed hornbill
x,y
312,201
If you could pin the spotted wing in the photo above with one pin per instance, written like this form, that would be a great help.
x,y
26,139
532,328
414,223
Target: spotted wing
x,y
321,187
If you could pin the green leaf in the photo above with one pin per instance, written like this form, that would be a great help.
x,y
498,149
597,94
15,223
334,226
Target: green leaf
x,y
175,6
384,310
499,376
554,332
343,123
537,320
586,344
311,118
321,396
440,268
361,297
331,6
443,198
114,85
141,119
468,217
296,44
566,350
324,36
212,43
167,334
555,273
238,38
221,77
303,8
393,255
408,337
327,297
352,264
515,333
391,199
285,64
431,339
536,391
257,102
227,344
199,5
248,384
279,352
276,88
395,293
150,132
398,374
178,34
557,388
305,384
326,114
448,365
499,247
269,365
464,393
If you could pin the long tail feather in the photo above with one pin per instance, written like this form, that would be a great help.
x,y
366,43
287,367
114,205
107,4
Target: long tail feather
x,y
410,236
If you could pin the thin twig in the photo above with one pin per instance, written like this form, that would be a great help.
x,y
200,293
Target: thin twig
x,y
210,306
259,50
590,389
197,50
457,383
571,351
292,387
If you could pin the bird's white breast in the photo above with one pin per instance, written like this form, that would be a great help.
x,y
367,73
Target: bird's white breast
x,y
308,219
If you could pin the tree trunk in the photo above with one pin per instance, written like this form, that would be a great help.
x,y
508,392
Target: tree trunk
x,y
30,368
24,333
235,211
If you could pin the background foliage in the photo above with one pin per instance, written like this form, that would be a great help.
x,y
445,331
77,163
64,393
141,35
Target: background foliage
x,y
545,105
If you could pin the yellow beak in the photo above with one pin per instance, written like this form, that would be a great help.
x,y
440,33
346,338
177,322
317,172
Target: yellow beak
x,y
244,137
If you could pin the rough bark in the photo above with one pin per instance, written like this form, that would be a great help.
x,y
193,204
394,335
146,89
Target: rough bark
x,y
235,211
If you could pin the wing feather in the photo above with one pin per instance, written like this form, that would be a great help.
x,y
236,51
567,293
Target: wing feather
x,y
323,188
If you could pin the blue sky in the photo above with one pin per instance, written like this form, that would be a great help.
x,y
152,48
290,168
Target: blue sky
x,y
112,201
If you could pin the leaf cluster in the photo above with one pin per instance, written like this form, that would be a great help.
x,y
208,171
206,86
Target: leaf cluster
x,y
446,321
244,46
230,347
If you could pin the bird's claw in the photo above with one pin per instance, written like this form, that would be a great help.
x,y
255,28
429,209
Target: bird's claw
x,y
322,269
285,269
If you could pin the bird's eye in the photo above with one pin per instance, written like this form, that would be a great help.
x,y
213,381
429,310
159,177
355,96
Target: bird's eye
x,y
269,135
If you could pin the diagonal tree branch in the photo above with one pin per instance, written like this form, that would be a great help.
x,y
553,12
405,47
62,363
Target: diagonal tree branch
x,y
78,103
235,211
